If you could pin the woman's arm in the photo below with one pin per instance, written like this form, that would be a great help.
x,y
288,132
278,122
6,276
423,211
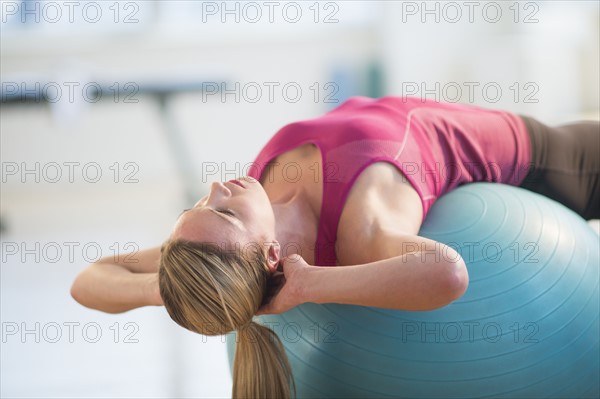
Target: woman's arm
x,y
398,271
118,284
413,273
413,281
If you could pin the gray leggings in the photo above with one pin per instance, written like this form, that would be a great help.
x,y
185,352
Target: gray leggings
x,y
565,164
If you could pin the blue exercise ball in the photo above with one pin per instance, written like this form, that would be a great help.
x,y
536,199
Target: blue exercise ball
x,y
527,326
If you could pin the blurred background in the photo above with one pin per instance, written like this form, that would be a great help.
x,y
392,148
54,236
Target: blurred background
x,y
117,115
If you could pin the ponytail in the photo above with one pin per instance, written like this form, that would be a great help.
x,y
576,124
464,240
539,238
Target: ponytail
x,y
260,366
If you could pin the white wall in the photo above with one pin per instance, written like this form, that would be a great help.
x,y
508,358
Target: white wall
x,y
551,54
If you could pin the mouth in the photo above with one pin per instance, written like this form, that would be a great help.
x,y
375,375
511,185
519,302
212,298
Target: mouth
x,y
237,182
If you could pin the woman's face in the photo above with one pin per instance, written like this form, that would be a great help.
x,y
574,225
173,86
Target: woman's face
x,y
230,215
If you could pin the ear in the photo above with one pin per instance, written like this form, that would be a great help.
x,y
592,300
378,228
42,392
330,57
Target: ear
x,y
273,256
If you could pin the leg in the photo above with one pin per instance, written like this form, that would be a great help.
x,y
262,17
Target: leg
x,y
566,165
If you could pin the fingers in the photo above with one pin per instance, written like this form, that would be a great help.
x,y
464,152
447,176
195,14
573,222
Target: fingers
x,y
273,289
275,282
272,302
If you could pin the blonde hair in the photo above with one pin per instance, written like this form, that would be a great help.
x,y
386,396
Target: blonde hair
x,y
212,291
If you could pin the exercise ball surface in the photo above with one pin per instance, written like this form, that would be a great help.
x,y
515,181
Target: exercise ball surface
x,y
527,326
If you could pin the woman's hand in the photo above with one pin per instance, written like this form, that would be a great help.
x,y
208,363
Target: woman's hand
x,y
286,289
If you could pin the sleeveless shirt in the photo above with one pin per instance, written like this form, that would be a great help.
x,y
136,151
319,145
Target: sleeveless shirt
x,y
437,146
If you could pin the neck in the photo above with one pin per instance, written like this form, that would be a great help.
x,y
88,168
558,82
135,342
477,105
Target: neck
x,y
295,225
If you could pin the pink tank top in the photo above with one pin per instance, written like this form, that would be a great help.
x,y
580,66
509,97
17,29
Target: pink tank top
x,y
437,146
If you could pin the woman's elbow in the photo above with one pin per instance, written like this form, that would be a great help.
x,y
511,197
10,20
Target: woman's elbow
x,y
78,290
456,278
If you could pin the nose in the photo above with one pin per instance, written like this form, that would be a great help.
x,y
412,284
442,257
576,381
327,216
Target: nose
x,y
219,188
218,191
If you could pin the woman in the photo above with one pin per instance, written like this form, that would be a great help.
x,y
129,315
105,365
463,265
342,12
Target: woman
x,y
351,189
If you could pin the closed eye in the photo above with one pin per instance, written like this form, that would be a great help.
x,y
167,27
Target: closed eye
x,y
226,212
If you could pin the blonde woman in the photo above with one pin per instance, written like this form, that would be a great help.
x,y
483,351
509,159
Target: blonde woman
x,y
351,189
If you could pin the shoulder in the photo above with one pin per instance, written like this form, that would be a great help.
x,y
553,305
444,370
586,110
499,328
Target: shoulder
x,y
380,201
